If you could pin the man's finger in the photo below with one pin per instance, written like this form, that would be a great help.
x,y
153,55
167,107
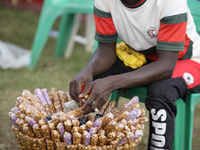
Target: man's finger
x,y
85,92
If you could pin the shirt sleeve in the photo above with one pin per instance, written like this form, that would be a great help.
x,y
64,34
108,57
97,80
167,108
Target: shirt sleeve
x,y
105,28
172,31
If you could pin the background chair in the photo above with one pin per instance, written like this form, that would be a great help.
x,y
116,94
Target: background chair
x,y
51,10
185,111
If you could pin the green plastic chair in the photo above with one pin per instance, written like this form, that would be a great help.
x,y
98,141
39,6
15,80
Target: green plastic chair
x,y
51,10
185,111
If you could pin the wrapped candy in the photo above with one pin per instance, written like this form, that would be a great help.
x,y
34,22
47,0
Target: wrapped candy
x,y
82,128
50,145
68,125
55,136
60,146
46,131
110,107
86,138
133,114
67,138
56,102
107,118
68,97
76,138
102,110
37,130
94,139
28,130
48,100
97,124
101,140
62,97
61,129
110,136
124,115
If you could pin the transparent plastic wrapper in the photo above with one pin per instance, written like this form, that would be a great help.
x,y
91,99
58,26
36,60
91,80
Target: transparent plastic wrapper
x,y
60,146
110,107
56,102
55,136
62,97
50,145
94,139
48,100
102,110
124,115
97,124
76,138
27,129
68,125
68,97
67,138
134,114
46,131
86,138
42,143
107,118
37,130
61,129
101,140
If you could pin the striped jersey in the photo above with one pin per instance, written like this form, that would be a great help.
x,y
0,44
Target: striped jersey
x,y
148,25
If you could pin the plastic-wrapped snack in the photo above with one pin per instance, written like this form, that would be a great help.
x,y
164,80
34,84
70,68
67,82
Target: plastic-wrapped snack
x,y
60,146
62,97
110,107
82,128
134,114
68,125
13,118
42,121
110,126
75,123
56,102
94,140
142,120
37,130
142,112
126,147
123,108
114,110
89,124
107,118
101,140
71,117
51,126
61,129
48,100
75,112
122,116
67,138
86,138
74,129
97,124
27,129
21,124
42,143
117,139
55,136
15,109
63,116
101,131
50,145
102,110
41,97
37,116
28,142
46,131
76,138
68,97
137,141
92,131
110,136
22,116
55,119
110,147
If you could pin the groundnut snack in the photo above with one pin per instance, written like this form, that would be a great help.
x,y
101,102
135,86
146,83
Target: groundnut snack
x,y
40,123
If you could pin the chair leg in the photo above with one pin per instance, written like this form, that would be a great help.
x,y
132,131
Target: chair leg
x,y
179,137
89,34
70,44
45,24
65,29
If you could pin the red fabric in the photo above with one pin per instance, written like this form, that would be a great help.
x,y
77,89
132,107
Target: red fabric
x,y
188,69
172,32
187,42
104,25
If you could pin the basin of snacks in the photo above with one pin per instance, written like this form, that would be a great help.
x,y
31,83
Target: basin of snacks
x,y
41,121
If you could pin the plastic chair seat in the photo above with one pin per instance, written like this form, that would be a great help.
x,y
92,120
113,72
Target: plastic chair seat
x,y
51,10
184,118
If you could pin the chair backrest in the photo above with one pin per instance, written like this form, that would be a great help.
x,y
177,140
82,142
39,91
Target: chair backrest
x,y
194,6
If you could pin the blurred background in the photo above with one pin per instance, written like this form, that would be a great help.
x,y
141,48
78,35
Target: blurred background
x,y
18,24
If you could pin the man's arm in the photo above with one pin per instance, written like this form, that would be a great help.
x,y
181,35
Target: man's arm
x,y
158,70
103,58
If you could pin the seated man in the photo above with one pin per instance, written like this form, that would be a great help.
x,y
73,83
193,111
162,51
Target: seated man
x,y
162,30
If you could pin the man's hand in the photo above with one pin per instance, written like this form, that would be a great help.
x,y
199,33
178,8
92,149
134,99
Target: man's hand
x,y
100,92
82,79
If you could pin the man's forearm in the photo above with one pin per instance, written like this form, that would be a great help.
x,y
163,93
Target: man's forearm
x,y
102,59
